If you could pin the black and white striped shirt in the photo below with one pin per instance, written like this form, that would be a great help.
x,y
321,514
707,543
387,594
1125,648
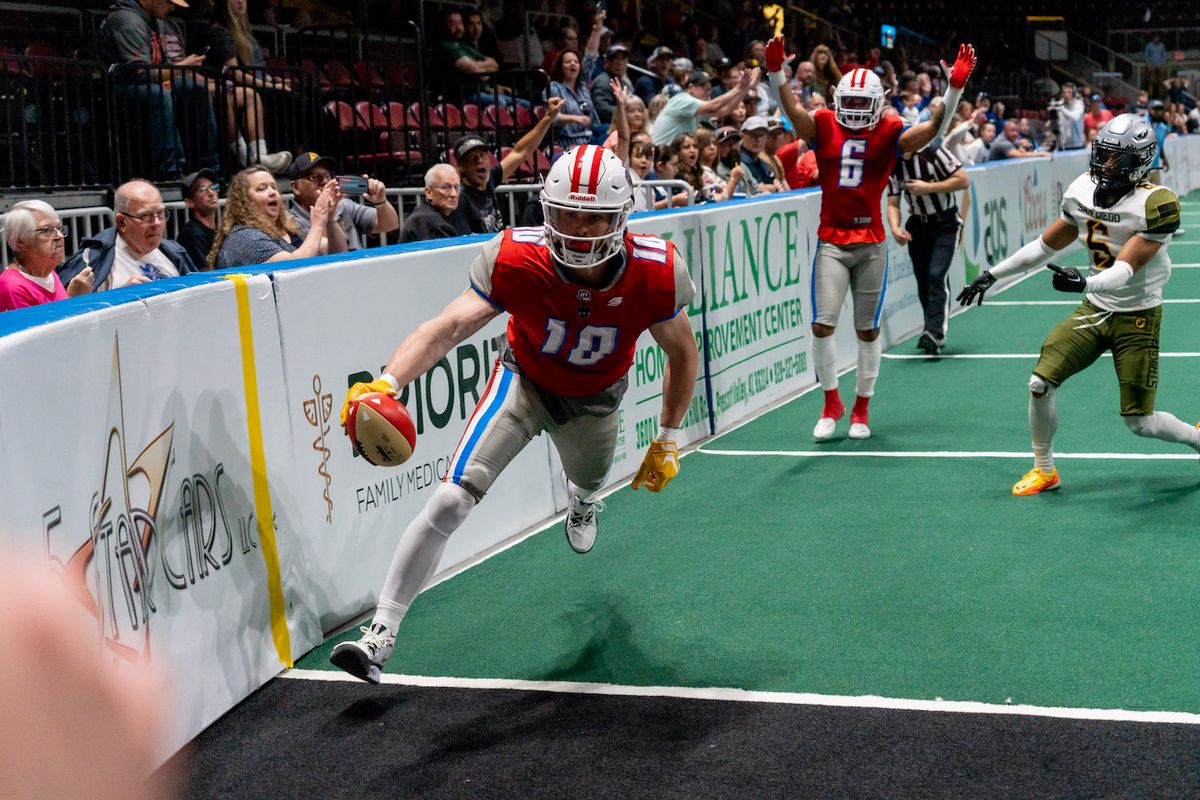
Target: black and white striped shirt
x,y
931,164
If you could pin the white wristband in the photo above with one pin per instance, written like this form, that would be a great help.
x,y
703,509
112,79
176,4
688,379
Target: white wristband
x,y
1114,277
666,434
777,78
391,381
1033,254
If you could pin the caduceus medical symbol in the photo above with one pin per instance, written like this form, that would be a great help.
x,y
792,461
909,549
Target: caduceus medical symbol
x,y
318,412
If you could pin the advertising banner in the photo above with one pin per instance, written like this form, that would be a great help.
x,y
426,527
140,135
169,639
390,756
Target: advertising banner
x,y
146,492
339,324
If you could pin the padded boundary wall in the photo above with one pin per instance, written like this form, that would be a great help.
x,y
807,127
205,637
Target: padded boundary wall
x,y
173,450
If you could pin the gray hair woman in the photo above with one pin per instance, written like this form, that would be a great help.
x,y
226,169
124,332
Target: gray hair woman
x,y
36,238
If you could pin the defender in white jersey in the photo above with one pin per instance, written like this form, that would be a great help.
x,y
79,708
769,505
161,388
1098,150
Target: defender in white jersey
x,y
1125,223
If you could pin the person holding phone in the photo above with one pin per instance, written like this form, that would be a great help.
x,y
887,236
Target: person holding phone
x,y
363,210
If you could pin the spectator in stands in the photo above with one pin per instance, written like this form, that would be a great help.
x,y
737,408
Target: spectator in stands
x,y
825,73
479,179
778,135
983,105
654,108
799,164
477,34
641,161
36,237
682,112
435,218
373,216
138,32
453,57
712,187
134,251
725,76
616,67
759,178
256,227
635,113
1096,114
666,168
1177,91
577,122
802,81
686,145
1162,129
567,39
1156,64
659,63
1069,113
231,44
729,158
1009,145
815,100
201,191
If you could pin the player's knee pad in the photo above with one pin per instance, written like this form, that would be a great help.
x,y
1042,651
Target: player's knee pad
x,y
1141,426
448,508
1039,387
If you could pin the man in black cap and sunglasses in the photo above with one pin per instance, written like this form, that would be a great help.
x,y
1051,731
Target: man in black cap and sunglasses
x,y
201,193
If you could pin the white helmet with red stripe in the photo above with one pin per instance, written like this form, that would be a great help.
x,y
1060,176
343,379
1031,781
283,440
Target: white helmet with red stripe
x,y
590,179
859,99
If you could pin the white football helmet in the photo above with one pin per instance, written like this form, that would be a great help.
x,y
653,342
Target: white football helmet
x,y
859,99
592,179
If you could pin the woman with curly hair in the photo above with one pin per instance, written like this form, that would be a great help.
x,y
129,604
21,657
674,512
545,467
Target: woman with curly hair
x,y
825,70
689,167
256,227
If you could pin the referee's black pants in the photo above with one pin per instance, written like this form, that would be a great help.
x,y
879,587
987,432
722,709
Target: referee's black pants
x,y
934,239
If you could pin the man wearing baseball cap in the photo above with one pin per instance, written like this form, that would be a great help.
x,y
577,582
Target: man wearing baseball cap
x,y
374,215
682,112
760,177
138,32
659,63
616,66
480,179
201,190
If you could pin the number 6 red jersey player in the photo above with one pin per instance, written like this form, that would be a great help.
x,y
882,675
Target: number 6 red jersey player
x,y
579,292
856,149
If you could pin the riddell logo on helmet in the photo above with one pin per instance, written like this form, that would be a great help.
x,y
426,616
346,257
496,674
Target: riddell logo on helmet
x,y
587,197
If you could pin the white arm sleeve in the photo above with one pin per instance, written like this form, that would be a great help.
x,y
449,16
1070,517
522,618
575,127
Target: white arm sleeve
x,y
1114,277
1033,254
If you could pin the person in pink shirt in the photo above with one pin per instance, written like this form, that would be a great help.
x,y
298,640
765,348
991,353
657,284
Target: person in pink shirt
x,y
36,237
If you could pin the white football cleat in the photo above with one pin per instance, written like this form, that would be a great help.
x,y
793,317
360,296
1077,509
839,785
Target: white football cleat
x,y
824,429
580,524
859,430
364,659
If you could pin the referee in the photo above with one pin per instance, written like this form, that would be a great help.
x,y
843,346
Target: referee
x,y
930,179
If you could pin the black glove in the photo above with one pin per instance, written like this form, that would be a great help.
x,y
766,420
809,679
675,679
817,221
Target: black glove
x,y
1068,280
976,289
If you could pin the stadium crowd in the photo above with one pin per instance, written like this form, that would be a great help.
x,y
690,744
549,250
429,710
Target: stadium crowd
x,y
687,107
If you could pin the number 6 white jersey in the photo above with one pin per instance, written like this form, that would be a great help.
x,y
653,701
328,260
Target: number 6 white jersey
x,y
1149,211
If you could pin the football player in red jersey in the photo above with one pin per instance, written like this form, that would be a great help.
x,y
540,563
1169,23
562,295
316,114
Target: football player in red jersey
x,y
856,148
579,292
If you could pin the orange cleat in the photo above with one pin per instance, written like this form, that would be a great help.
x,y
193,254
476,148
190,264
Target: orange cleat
x,y
1035,482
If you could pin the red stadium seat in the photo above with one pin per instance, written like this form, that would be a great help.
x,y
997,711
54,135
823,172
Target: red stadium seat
x,y
470,116
343,115
450,115
338,75
372,115
368,76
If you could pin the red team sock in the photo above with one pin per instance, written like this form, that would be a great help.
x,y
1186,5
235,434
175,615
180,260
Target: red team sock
x,y
859,412
833,405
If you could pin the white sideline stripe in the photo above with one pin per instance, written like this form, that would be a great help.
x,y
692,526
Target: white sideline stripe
x,y
923,357
1063,302
948,454
746,696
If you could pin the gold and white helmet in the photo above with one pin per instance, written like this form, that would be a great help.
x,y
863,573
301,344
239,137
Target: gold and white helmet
x,y
859,99
591,179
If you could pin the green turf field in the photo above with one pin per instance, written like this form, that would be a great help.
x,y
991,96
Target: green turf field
x,y
774,563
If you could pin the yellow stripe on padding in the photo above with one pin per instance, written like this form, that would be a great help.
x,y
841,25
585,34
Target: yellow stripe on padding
x,y
258,464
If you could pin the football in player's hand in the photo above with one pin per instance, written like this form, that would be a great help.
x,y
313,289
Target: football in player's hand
x,y
381,429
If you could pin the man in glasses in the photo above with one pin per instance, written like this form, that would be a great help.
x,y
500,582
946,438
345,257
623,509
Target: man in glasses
x,y
134,251
358,216
201,191
435,218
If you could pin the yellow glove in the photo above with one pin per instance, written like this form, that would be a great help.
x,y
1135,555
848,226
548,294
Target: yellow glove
x,y
660,465
356,391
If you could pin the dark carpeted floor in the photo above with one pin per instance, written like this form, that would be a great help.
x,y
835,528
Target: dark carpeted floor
x,y
342,740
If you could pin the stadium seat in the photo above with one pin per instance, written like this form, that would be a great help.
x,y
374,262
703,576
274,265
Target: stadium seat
x,y
495,117
343,115
524,118
338,75
368,77
450,115
372,115
470,116
403,76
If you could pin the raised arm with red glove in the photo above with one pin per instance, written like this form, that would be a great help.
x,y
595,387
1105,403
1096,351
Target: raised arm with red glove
x,y
964,65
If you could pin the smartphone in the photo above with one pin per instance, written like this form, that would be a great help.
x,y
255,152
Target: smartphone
x,y
352,185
